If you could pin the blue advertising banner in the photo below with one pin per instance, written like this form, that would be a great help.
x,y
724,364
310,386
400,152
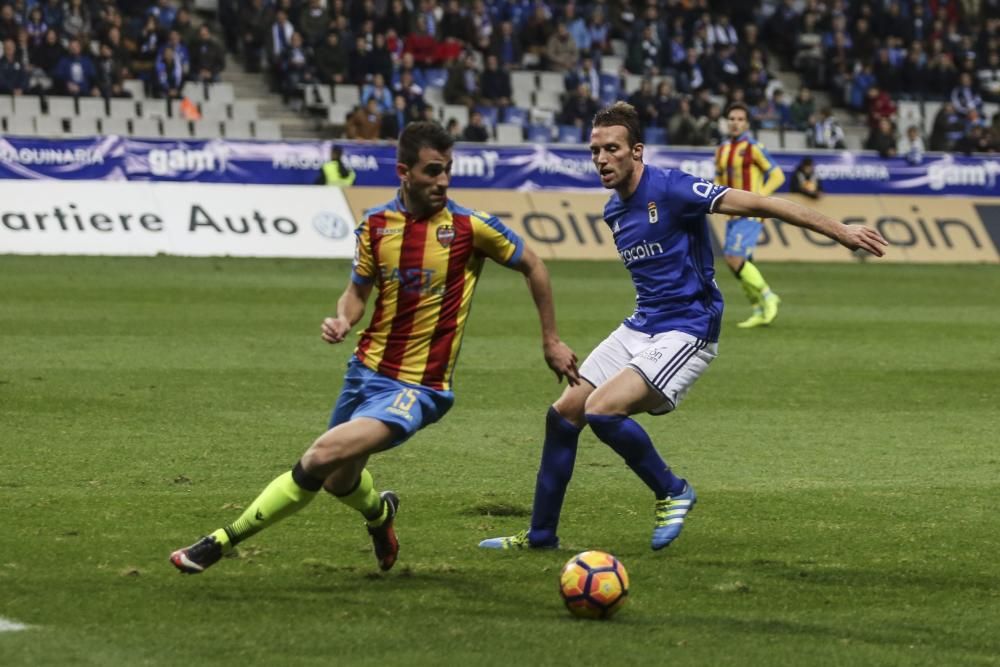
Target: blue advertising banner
x,y
97,158
523,168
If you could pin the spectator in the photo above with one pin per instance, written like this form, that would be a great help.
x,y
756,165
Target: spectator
x,y
882,139
183,25
911,146
52,13
805,181
208,58
330,60
454,129
913,76
421,44
36,27
879,106
644,53
561,51
774,113
644,101
13,77
169,74
535,36
667,102
682,129
397,17
963,97
462,86
366,122
802,110
988,77
394,121
456,26
379,59
578,108
149,45
600,32
577,27
709,129
476,130
948,128
506,46
295,69
181,53
357,63
279,39
47,56
378,91
826,131
494,83
110,74
75,74
253,29
975,140
314,23
76,21
163,12
586,72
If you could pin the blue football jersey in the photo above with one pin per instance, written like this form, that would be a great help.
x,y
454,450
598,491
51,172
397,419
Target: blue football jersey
x,y
662,236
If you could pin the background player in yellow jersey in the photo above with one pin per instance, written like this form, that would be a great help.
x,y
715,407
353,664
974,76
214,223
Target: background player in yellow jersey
x,y
743,164
422,254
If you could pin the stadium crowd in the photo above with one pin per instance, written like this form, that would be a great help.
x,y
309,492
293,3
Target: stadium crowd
x,y
689,59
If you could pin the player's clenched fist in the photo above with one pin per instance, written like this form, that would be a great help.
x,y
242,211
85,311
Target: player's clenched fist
x,y
335,329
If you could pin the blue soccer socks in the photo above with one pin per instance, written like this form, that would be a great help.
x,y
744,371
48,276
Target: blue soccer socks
x,y
554,473
625,436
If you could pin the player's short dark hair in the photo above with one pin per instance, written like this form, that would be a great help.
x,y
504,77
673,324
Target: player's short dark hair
x,y
623,114
421,134
738,105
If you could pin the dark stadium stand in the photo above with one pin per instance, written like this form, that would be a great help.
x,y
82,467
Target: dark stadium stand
x,y
817,74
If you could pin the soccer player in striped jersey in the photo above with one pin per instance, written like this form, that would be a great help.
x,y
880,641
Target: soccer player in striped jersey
x,y
743,164
422,255
648,364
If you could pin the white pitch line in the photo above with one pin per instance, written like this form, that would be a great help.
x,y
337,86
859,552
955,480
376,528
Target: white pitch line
x,y
7,625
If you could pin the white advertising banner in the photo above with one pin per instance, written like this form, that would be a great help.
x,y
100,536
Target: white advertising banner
x,y
197,219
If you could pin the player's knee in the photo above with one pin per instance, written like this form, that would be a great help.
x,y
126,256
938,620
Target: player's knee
x,y
324,455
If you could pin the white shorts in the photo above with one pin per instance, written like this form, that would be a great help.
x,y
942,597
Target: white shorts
x,y
669,362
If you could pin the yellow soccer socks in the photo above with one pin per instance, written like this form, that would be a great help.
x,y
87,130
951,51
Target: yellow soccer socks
x,y
753,282
365,499
284,496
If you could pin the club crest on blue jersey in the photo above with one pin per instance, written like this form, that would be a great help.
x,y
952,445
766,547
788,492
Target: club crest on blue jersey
x,y
445,235
654,216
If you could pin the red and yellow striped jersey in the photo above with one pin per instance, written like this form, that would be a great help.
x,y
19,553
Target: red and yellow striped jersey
x,y
425,272
743,164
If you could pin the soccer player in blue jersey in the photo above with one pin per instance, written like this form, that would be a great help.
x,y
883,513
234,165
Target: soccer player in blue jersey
x,y
648,364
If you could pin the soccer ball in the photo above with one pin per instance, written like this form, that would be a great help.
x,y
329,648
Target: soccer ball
x,y
593,584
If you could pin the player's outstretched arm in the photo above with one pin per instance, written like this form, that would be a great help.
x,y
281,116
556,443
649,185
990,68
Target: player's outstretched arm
x,y
350,308
558,355
743,203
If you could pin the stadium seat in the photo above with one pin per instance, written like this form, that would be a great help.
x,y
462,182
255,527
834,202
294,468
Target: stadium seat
x,y
854,138
795,140
266,129
27,105
247,109
509,133
122,108
522,97
344,93
930,112
549,99
523,80
156,109
21,125
220,93
317,95
136,87
612,64
456,111
118,126
516,115
61,107
207,128
194,91
490,115
990,110
176,128
551,81
568,134
214,111
49,126
771,139
83,126
655,135
619,47
92,107
146,127
337,113
435,77
434,96
6,105
237,129
632,82
539,134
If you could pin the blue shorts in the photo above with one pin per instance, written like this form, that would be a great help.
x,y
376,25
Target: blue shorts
x,y
741,236
405,407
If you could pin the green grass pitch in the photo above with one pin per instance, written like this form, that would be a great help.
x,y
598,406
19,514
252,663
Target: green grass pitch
x,y
846,463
